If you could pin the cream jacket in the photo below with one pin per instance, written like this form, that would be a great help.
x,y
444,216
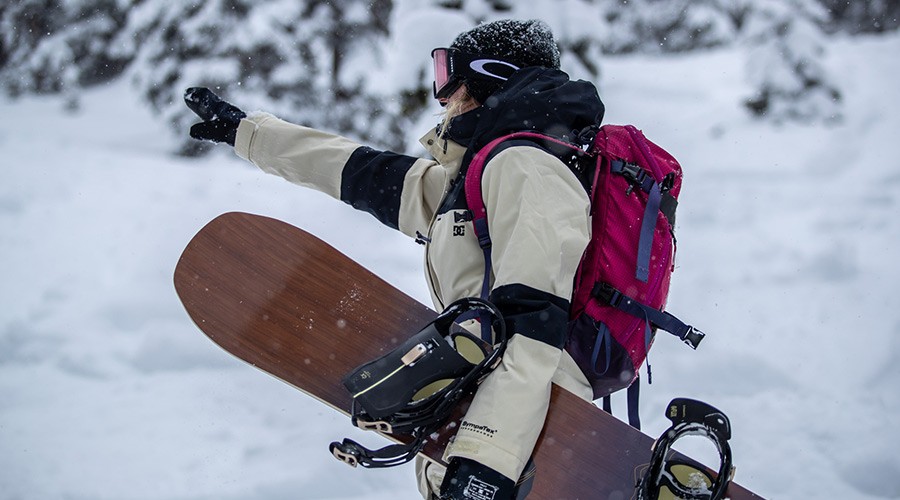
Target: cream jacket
x,y
538,214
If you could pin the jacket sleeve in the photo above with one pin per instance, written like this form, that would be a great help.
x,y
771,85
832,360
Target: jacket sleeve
x,y
400,191
539,221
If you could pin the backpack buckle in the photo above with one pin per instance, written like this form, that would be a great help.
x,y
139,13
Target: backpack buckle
x,y
606,293
693,337
636,176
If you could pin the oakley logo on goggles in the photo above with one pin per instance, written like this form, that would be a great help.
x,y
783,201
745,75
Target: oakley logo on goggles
x,y
452,67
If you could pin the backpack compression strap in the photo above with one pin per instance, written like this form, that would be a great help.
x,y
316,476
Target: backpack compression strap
x,y
608,295
648,222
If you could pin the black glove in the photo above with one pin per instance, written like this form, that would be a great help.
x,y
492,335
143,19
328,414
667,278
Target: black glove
x,y
220,119
468,479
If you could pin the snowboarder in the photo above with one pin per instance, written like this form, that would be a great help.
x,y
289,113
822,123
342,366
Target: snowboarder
x,y
494,79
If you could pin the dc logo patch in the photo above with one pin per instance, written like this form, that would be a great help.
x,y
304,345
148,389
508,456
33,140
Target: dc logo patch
x,y
479,490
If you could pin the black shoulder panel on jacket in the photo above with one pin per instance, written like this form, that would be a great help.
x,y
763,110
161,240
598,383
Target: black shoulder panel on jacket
x,y
372,181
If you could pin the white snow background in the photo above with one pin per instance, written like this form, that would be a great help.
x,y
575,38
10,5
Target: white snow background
x,y
787,257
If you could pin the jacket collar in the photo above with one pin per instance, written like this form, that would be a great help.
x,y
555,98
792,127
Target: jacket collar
x,y
447,152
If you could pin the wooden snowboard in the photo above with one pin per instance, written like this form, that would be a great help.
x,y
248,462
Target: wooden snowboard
x,y
292,306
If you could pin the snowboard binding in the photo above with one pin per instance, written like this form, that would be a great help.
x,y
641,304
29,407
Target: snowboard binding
x,y
413,389
670,478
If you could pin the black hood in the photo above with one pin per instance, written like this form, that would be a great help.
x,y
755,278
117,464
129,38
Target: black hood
x,y
535,99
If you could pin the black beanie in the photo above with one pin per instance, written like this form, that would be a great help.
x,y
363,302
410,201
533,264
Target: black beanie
x,y
523,43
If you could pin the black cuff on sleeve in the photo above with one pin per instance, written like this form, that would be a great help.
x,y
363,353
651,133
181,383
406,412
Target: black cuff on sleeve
x,y
535,314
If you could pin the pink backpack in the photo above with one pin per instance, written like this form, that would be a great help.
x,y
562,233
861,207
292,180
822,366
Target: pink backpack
x,y
623,279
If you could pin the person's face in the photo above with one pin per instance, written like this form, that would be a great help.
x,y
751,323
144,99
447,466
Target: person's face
x,y
462,97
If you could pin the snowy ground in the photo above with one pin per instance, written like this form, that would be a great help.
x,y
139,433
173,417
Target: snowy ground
x,y
788,242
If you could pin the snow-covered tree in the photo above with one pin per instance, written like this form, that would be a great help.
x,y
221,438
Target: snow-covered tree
x,y
863,16
57,47
282,55
665,25
786,46
361,67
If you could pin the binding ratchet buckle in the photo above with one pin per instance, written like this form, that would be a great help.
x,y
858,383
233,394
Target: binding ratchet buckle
x,y
374,426
346,453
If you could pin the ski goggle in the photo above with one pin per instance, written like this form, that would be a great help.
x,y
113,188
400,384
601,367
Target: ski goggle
x,y
452,67
670,477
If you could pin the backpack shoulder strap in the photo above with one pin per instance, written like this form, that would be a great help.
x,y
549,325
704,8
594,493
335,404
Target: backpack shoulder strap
x,y
475,198
473,192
